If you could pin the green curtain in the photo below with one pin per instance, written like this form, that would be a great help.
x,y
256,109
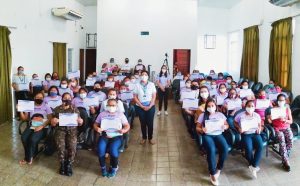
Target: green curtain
x,y
249,65
5,71
59,59
280,56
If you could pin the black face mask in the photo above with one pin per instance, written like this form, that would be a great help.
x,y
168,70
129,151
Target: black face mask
x,y
67,102
194,87
38,101
97,89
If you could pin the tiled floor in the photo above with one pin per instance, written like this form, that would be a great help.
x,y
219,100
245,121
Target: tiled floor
x,y
174,160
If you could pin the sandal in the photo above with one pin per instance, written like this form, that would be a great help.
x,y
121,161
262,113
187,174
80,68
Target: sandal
x,y
22,162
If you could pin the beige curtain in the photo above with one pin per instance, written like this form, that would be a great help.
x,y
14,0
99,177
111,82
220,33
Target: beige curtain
x,y
249,65
5,71
280,56
59,59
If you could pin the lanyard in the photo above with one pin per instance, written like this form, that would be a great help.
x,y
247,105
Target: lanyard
x,y
144,88
22,80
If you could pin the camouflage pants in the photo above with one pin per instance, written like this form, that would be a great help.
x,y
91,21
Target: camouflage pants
x,y
66,142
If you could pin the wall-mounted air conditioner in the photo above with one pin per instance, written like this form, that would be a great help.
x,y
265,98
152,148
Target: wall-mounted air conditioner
x,y
284,2
67,13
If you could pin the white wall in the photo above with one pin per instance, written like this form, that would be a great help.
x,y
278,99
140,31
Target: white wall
x,y
90,19
212,21
255,12
35,28
172,25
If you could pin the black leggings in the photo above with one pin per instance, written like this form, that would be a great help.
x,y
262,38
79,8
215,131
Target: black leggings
x,y
163,96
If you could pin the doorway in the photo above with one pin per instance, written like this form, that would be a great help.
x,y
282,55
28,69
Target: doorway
x,y
182,60
87,62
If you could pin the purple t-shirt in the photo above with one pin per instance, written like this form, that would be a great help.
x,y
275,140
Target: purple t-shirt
x,y
216,116
78,102
243,115
53,101
101,95
108,115
64,90
43,109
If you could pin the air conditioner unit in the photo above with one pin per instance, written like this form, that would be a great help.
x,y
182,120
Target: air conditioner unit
x,y
284,3
67,13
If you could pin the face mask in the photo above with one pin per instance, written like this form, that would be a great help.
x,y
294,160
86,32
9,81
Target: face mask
x,y
67,102
112,97
111,109
132,80
64,85
36,78
204,95
271,85
145,78
139,63
90,78
245,87
83,95
97,89
228,81
233,86
262,97
213,86
36,123
127,83
126,61
188,85
136,76
21,72
38,101
122,91
53,94
211,109
110,80
48,79
73,84
250,110
194,87
220,77
222,90
164,70
278,90
281,104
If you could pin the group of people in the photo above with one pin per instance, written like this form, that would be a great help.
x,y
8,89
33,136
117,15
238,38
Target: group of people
x,y
222,103
105,108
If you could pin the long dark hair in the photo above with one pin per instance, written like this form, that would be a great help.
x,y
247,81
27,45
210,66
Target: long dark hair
x,y
161,73
228,96
201,100
206,113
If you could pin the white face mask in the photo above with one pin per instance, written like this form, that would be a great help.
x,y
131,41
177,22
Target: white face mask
x,y
250,110
213,86
222,90
111,109
132,80
144,78
36,78
188,85
281,104
112,97
204,95
64,85
245,87
164,70
89,78
48,79
83,95
228,81
211,109
136,76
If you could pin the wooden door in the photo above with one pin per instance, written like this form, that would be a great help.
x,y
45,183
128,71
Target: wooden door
x,y
90,62
181,60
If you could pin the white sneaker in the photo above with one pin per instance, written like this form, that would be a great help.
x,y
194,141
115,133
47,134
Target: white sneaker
x,y
217,174
214,181
253,171
166,113
158,113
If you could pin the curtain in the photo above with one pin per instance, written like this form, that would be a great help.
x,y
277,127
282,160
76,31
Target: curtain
x,y
280,63
59,59
5,72
249,65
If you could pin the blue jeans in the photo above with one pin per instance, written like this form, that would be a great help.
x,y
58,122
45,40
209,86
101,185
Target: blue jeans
x,y
146,119
250,142
113,145
212,144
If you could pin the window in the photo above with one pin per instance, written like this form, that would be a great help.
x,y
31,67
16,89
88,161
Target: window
x,y
70,59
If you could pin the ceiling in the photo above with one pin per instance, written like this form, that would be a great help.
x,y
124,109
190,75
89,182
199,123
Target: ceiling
x,y
88,2
219,3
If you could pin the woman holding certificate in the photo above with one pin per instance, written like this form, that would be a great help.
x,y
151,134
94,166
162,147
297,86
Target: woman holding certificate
x,y
211,124
144,97
53,99
281,119
39,119
249,124
112,125
66,119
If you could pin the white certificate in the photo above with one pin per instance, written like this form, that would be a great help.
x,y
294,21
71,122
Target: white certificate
x,y
244,93
261,103
273,97
131,86
127,96
68,119
194,76
23,86
119,78
179,77
90,83
249,124
182,83
277,113
111,124
220,100
139,67
75,74
91,101
36,82
214,125
54,103
231,105
25,106
190,103
109,84
188,95
102,76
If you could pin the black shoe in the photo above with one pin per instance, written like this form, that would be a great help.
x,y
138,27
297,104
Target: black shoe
x,y
62,170
286,166
69,171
